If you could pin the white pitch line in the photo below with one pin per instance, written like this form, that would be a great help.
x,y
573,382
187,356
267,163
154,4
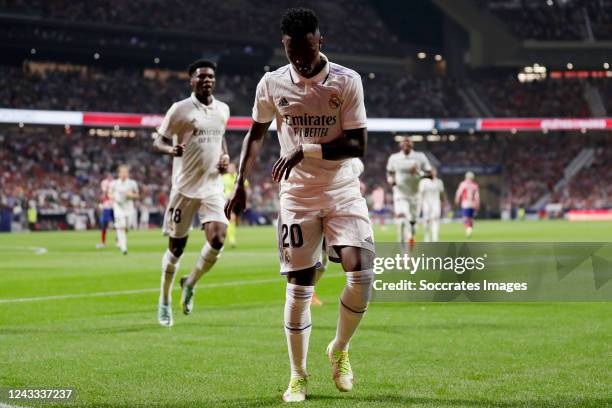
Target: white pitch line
x,y
35,249
133,291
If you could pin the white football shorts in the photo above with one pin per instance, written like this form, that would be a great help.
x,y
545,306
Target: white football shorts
x,y
179,214
308,215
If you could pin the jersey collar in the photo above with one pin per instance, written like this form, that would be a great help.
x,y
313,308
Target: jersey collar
x,y
320,78
200,105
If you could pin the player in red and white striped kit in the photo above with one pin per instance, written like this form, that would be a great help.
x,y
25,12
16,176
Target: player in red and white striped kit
x,y
468,198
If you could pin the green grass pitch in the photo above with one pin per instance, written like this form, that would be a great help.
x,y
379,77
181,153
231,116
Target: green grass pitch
x,y
106,342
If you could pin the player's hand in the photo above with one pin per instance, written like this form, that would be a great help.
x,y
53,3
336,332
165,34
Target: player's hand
x,y
178,150
285,163
413,170
236,200
223,164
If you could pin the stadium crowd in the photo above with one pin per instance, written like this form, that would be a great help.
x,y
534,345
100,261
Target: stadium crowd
x,y
387,95
555,20
237,18
547,98
60,169
586,189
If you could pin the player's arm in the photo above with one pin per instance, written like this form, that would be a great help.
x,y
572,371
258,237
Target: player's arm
x,y
352,144
170,126
442,196
224,160
425,167
250,149
134,194
390,172
458,194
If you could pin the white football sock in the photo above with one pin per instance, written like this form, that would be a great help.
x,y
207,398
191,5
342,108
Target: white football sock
x,y
122,239
401,227
170,265
353,304
206,260
435,230
298,326
426,231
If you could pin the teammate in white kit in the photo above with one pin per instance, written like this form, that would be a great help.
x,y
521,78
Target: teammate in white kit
x,y
123,192
404,172
193,132
468,198
432,199
321,121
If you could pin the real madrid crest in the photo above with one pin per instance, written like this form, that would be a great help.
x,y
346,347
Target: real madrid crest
x,y
334,101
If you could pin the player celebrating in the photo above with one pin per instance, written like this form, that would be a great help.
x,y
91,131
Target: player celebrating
x,y
123,191
321,121
192,131
404,171
468,198
106,204
432,199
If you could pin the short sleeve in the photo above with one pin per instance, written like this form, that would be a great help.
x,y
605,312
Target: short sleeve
x,y
172,123
227,114
263,107
353,111
425,165
135,186
390,165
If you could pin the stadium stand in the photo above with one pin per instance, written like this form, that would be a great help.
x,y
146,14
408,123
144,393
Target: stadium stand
x,y
233,17
555,20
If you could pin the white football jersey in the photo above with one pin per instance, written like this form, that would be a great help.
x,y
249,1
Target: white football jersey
x,y
430,190
408,171
312,110
201,127
119,192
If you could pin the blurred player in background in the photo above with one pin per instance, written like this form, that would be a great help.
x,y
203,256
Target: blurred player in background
x,y
123,191
432,199
193,133
321,120
106,204
468,198
404,172
229,179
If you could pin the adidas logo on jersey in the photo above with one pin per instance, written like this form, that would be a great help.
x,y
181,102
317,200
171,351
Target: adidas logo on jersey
x,y
283,102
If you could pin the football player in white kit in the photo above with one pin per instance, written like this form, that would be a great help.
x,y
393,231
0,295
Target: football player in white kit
x,y
321,120
432,199
193,132
123,192
404,172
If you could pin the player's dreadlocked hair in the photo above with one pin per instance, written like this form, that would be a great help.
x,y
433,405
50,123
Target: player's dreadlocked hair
x,y
298,22
201,63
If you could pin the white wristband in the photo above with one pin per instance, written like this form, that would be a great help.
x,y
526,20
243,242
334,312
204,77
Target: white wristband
x,y
312,150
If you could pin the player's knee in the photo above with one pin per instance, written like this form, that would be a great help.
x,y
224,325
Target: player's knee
x,y
358,290
177,246
217,240
356,259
